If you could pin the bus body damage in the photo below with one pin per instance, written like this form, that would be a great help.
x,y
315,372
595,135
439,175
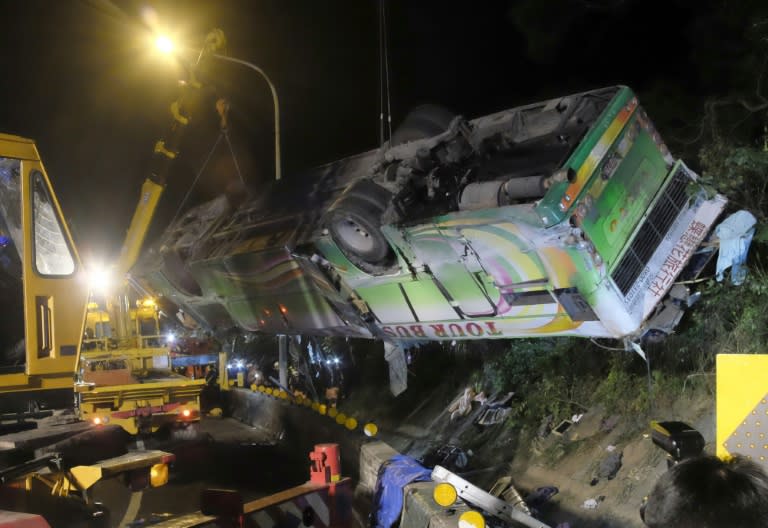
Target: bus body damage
x,y
565,217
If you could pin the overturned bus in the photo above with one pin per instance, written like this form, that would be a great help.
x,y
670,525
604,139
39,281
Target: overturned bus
x,y
564,217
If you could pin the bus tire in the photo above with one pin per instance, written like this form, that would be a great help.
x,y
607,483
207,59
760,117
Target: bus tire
x,y
423,121
355,225
371,192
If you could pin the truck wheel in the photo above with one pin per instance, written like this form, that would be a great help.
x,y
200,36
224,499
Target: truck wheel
x,y
355,225
423,121
184,432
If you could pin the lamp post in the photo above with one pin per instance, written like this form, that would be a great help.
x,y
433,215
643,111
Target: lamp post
x,y
275,101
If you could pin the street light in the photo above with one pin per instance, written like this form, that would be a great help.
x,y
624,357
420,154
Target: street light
x,y
214,40
164,44
275,101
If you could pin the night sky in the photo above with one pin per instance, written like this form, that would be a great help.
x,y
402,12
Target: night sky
x,y
79,79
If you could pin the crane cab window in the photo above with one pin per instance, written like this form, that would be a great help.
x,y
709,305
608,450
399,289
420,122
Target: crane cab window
x,y
53,256
11,287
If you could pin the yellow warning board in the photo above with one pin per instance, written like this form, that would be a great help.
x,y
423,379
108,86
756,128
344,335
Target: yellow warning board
x,y
742,406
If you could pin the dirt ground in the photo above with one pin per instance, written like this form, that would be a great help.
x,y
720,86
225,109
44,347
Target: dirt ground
x,y
415,424
570,461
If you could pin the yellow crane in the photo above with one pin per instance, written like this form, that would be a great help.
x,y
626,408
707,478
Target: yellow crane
x,y
37,249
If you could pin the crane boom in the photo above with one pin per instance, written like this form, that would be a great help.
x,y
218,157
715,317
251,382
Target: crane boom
x,y
166,150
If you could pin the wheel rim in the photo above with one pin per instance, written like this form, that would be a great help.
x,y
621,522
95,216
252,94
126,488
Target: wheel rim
x,y
355,235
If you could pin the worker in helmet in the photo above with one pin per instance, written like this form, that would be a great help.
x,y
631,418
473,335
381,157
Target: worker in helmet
x,y
332,396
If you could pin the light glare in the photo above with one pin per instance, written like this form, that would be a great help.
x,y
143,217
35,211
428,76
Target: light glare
x,y
164,44
100,279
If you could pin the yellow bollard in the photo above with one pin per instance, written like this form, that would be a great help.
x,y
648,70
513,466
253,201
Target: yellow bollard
x,y
472,519
370,429
444,494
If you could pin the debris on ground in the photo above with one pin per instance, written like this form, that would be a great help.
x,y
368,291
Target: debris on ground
x,y
735,235
546,426
590,504
501,402
610,465
462,405
497,410
607,424
505,489
538,499
493,416
450,456
481,398
562,427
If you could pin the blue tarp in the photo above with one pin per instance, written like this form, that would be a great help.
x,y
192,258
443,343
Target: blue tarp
x,y
393,476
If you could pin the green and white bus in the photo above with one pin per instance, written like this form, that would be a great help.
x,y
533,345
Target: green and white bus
x,y
564,217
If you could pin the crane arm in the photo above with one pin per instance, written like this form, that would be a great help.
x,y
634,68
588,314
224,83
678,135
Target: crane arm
x,y
166,150
137,231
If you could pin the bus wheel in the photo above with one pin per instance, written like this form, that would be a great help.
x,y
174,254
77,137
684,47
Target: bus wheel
x,y
184,432
355,225
371,192
423,121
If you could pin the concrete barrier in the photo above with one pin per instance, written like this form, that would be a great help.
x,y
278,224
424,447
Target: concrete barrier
x,y
297,427
372,456
420,508
303,427
257,410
